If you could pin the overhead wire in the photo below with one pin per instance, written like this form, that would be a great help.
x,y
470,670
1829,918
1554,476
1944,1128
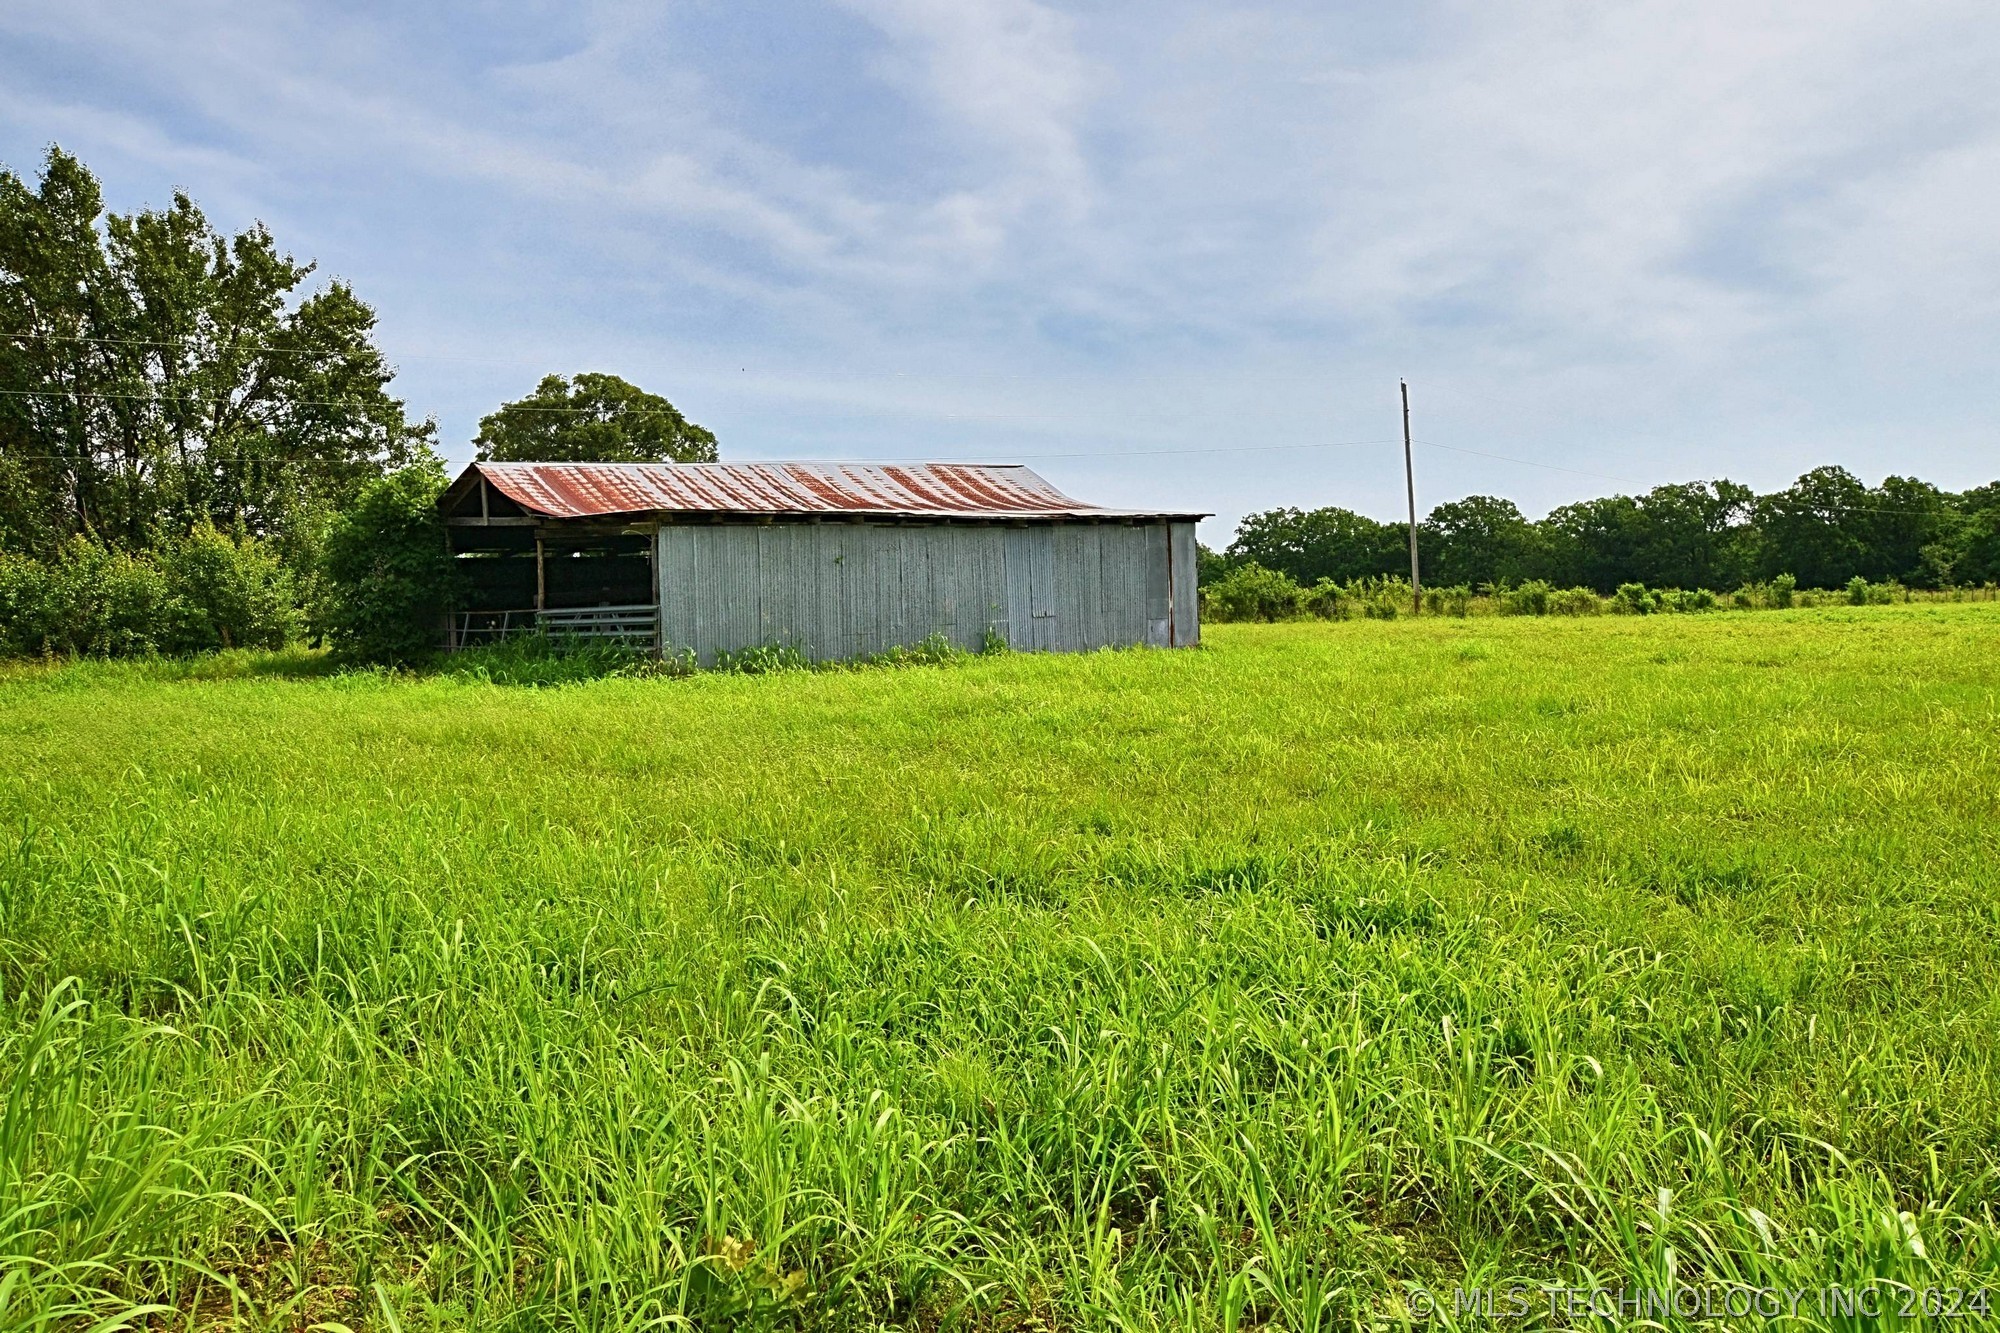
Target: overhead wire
x,y
1068,454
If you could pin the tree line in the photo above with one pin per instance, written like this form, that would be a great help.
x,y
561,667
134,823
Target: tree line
x,y
1825,530
198,449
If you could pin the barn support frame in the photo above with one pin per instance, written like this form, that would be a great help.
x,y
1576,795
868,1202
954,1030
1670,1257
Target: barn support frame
x,y
586,580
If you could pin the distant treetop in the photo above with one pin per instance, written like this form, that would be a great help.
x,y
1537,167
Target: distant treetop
x,y
591,419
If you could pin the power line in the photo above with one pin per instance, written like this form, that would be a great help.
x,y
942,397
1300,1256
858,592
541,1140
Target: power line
x,y
1529,462
1630,481
1091,453
1150,453
291,402
219,344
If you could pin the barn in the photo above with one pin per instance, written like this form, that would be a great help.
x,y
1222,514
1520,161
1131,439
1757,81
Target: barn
x,y
835,560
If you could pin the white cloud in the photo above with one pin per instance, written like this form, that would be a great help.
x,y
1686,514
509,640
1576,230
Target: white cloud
x,y
1007,70
1579,226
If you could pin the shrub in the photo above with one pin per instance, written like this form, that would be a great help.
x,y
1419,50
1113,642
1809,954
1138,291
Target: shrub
x,y
89,603
1575,602
1380,598
388,569
1781,590
1529,599
1455,600
25,606
1252,592
1329,601
1632,599
105,604
1684,600
227,594
1857,591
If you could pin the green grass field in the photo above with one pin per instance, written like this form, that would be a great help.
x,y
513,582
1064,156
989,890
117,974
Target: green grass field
x,y
1258,985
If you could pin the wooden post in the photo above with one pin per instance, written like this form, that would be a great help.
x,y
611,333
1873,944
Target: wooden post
x,y
1410,480
659,603
541,577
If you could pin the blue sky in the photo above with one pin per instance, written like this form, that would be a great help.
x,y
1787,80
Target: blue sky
x,y
1175,253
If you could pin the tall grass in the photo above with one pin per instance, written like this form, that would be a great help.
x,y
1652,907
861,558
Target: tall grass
x,y
1258,986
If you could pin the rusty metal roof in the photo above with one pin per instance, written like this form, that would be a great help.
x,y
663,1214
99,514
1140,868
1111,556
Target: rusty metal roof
x,y
898,490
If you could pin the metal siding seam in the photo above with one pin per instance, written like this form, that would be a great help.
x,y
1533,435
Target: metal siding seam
x,y
777,587
1187,597
1068,601
912,551
933,558
858,596
1120,607
1159,591
1091,588
736,592
1133,540
1042,585
1020,602
1069,588
829,561
709,559
676,557
993,581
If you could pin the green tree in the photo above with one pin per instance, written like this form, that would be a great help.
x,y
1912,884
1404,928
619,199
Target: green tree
x,y
388,569
593,419
1692,535
1310,545
1480,539
1818,529
1589,544
1909,518
156,375
1966,549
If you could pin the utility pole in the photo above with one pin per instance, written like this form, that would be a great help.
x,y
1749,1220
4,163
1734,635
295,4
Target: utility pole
x,y
1410,479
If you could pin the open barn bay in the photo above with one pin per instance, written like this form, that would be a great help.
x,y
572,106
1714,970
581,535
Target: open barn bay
x,y
1274,983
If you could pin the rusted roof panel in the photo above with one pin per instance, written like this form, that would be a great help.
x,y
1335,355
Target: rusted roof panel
x,y
901,490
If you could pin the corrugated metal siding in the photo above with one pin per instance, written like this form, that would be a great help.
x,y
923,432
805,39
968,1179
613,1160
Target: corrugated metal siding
x,y
839,590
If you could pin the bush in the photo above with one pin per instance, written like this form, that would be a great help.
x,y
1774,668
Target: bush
x,y
1529,599
1684,600
1252,592
1857,591
227,595
24,606
111,604
1632,599
89,603
1380,598
1781,590
1329,601
1575,602
201,593
1454,600
388,569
